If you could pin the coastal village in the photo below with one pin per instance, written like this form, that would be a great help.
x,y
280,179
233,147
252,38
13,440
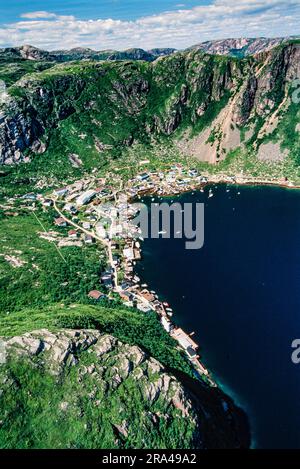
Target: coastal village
x,y
95,210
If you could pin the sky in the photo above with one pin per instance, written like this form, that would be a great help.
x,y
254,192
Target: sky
x,y
121,24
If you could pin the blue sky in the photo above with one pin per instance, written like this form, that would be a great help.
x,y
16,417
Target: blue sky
x,y
120,24
92,9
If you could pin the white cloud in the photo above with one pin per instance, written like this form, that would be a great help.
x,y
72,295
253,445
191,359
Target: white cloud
x,y
38,14
180,28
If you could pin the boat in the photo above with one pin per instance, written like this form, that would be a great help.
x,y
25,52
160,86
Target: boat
x,y
210,193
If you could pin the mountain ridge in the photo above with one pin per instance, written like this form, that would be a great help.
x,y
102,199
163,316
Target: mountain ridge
x,y
202,100
29,52
242,47
239,47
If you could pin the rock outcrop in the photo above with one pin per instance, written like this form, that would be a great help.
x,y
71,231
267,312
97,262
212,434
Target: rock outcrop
x,y
241,47
109,376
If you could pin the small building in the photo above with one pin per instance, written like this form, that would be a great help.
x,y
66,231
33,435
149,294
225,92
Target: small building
x,y
107,279
115,258
167,325
86,225
70,208
101,231
47,203
143,177
88,239
95,295
143,307
61,192
147,295
126,296
193,172
184,339
61,222
128,253
72,234
191,352
30,196
85,198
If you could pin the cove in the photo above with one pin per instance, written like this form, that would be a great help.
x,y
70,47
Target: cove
x,y
240,294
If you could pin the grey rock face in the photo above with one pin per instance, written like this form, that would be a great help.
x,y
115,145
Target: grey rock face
x,y
151,100
104,368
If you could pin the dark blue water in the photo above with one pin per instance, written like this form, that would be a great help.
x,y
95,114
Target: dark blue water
x,y
240,294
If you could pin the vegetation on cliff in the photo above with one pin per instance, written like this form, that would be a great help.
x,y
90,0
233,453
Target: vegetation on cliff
x,y
87,389
191,103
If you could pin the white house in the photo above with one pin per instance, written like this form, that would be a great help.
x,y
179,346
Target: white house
x,y
85,197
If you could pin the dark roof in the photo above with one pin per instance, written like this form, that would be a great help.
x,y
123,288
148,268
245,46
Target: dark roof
x,y
191,351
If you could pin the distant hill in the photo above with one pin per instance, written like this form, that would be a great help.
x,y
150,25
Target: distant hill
x,y
241,47
79,53
237,47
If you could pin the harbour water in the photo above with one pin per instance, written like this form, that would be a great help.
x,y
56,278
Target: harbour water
x,y
240,294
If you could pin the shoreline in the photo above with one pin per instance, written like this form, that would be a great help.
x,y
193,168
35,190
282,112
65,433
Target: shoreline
x,y
236,182
157,184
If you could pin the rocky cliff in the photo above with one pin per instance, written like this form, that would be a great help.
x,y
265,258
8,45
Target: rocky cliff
x,y
84,388
200,102
241,47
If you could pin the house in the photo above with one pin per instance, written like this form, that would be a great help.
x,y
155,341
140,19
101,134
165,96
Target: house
x,y
147,295
191,352
86,225
184,340
143,177
142,307
128,253
85,198
95,295
61,222
88,239
126,296
115,259
30,196
47,203
70,208
101,231
107,280
61,192
193,172
72,234
167,325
